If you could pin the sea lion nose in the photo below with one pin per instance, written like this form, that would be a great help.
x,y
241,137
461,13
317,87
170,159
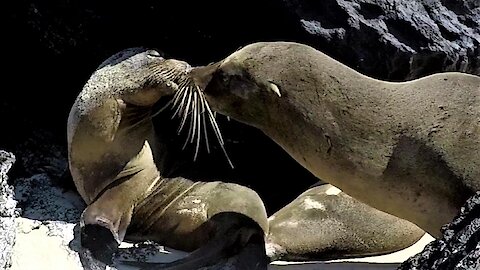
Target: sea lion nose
x,y
203,75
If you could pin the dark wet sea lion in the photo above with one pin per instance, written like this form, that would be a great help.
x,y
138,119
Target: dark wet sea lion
x,y
406,148
114,159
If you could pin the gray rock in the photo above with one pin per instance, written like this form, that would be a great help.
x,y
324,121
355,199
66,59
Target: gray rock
x,y
8,211
459,247
39,153
42,199
393,39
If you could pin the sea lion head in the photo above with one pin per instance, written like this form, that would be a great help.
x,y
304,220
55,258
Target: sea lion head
x,y
236,88
140,76
111,116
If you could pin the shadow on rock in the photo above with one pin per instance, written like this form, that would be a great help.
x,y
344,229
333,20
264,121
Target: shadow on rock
x,y
459,247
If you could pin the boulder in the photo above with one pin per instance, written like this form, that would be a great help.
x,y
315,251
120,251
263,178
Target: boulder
x,y
395,40
8,211
459,247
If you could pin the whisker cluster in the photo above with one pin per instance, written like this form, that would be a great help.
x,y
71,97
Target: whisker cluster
x,y
190,105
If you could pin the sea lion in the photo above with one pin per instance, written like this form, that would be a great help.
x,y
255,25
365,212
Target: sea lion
x,y
406,148
117,162
324,223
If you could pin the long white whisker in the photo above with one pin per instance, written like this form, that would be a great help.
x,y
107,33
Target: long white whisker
x,y
202,102
168,73
139,119
179,109
162,109
190,129
185,112
194,111
178,94
199,126
190,104
214,124
218,134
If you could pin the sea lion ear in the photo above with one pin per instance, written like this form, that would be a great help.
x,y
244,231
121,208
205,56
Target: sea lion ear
x,y
202,76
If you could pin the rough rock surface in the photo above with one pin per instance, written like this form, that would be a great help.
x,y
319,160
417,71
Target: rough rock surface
x,y
460,246
8,211
45,231
394,39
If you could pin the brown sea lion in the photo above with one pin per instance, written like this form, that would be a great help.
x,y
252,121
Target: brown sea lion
x,y
408,148
114,158
324,223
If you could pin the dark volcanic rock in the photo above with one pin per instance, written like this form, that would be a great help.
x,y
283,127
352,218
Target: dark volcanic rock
x,y
460,246
396,40
8,211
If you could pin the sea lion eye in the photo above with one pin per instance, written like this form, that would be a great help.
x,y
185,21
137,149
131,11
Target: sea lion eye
x,y
153,54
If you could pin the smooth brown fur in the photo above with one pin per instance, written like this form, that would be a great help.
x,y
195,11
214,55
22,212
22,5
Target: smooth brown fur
x,y
324,223
410,149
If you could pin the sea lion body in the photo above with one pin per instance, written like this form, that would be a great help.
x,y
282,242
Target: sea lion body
x,y
115,156
181,209
407,148
324,223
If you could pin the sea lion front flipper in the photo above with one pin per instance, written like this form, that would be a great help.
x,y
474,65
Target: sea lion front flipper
x,y
102,234
106,119
104,224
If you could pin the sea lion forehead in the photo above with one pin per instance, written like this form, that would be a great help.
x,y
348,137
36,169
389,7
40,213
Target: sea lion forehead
x,y
136,57
255,59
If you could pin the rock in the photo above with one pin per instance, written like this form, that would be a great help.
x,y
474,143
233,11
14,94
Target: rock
x,y
41,199
395,40
459,247
44,245
8,211
40,153
45,230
